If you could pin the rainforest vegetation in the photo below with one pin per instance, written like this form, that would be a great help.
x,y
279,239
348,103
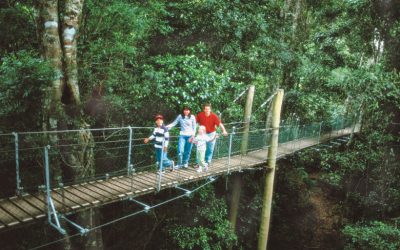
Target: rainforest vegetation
x,y
68,64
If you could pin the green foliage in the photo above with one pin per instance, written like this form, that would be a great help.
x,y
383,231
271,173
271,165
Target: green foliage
x,y
208,227
24,81
17,29
373,235
188,80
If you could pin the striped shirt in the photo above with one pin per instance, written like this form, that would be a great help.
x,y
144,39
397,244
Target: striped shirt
x,y
159,135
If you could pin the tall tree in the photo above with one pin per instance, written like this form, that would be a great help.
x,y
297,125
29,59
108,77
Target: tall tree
x,y
59,40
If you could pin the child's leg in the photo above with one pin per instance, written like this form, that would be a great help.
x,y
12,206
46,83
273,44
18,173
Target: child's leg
x,y
201,154
210,147
158,157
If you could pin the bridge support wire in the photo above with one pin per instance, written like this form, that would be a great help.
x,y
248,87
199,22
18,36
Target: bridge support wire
x,y
19,189
52,215
230,149
129,164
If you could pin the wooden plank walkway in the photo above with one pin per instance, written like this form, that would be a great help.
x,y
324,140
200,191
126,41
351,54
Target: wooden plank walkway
x,y
30,207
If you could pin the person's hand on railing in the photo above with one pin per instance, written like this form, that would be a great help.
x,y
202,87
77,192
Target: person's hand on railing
x,y
146,140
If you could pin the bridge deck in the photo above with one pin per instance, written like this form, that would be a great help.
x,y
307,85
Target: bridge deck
x,y
30,207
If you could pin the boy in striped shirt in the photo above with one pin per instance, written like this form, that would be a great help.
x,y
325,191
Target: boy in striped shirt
x,y
161,137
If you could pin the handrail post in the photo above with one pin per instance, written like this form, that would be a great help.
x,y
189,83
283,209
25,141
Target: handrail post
x,y
17,176
47,176
130,170
319,134
230,149
51,210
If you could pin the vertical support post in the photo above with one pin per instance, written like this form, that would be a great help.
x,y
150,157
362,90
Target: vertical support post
x,y
235,201
270,174
47,176
319,134
17,176
230,149
51,210
246,118
130,151
234,205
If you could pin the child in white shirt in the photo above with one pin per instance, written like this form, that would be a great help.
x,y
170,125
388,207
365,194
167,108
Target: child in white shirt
x,y
201,141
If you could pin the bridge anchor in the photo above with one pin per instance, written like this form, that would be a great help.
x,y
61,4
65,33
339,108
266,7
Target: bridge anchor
x,y
145,206
187,192
51,209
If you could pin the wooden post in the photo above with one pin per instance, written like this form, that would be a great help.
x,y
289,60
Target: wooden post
x,y
237,181
247,116
269,177
235,201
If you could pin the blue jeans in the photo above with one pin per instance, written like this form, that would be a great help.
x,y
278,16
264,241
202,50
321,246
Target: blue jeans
x,y
166,162
210,147
184,149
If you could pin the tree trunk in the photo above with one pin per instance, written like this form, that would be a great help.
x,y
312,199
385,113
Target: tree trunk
x,y
80,158
70,29
89,219
296,19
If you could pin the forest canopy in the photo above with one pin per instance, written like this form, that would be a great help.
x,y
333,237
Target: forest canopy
x,y
110,63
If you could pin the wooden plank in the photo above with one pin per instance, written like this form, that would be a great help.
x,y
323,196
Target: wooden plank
x,y
122,192
111,193
115,183
142,188
148,179
185,175
152,177
106,186
7,219
2,224
134,180
28,208
137,187
78,193
16,212
94,191
100,190
68,200
165,181
60,206
39,205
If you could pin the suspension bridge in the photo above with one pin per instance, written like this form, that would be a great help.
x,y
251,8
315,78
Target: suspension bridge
x,y
116,165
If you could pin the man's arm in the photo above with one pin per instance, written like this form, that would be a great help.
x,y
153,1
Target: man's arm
x,y
224,133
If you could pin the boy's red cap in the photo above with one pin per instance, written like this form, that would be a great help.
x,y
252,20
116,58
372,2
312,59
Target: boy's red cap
x,y
158,117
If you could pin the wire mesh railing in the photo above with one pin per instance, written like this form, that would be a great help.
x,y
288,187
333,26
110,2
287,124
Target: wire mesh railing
x,y
83,155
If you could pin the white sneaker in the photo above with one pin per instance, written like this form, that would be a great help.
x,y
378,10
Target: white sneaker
x,y
199,170
186,165
172,166
206,168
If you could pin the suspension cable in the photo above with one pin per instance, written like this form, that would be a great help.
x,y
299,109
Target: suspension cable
x,y
124,217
